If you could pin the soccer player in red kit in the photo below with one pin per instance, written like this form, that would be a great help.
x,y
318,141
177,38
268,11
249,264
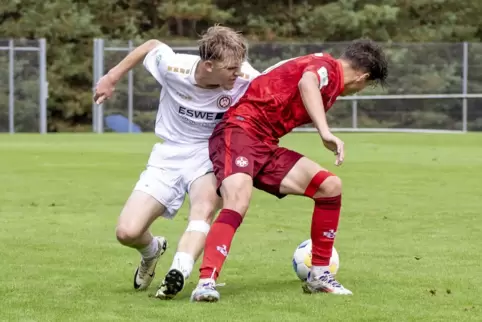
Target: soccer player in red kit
x,y
245,153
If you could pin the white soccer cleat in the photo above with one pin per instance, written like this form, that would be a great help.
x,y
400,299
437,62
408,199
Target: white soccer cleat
x,y
206,291
172,284
324,283
147,268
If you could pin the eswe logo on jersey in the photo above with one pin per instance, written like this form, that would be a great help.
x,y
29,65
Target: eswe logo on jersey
x,y
202,115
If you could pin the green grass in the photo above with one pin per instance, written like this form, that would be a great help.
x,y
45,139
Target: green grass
x,y
406,196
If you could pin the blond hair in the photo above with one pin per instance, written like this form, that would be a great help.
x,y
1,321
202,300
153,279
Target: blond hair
x,y
223,44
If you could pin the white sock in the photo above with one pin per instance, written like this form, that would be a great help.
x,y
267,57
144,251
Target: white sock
x,y
319,270
183,262
150,250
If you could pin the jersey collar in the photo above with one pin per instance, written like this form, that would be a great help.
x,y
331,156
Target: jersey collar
x,y
191,77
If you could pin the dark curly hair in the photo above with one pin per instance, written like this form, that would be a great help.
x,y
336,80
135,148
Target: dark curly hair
x,y
368,56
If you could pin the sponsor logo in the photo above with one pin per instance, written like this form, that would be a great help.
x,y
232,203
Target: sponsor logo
x,y
208,116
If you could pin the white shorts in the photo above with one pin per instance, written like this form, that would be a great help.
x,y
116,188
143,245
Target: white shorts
x,y
171,170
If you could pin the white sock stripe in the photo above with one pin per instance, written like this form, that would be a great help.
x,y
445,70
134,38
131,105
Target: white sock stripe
x,y
199,226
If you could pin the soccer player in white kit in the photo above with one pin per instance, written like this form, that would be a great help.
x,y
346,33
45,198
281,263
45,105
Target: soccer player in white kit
x,y
196,92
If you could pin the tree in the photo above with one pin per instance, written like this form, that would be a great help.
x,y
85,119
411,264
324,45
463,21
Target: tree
x,y
70,25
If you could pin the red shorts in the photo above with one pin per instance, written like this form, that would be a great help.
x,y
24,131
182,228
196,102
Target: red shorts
x,y
232,151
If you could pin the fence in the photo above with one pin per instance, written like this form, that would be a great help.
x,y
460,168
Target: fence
x,y
23,86
433,87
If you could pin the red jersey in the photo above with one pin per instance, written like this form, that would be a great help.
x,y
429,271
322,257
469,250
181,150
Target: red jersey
x,y
272,105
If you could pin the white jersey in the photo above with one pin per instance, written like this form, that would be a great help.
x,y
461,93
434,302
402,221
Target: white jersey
x,y
187,113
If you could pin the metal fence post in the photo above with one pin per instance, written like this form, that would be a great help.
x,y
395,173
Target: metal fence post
x,y
130,93
354,114
11,87
94,82
100,72
465,85
43,90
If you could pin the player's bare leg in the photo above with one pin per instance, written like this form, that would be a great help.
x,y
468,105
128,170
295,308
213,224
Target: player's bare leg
x,y
139,212
236,192
309,179
204,202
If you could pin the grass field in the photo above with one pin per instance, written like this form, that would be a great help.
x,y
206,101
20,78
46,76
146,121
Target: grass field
x,y
410,238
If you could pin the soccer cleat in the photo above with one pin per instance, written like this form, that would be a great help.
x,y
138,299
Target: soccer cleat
x,y
324,283
206,291
172,284
147,268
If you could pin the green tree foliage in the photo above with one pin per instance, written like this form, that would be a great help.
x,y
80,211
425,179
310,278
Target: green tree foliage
x,y
70,26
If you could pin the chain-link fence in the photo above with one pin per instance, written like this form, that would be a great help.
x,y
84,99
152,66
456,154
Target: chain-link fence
x,y
23,86
431,87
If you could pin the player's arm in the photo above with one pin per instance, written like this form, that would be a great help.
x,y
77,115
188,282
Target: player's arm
x,y
106,84
309,87
132,59
310,94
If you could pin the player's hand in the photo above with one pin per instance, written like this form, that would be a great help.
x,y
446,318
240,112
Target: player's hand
x,y
104,89
335,145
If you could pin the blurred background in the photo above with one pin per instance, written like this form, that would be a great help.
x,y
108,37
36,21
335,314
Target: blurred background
x,y
53,52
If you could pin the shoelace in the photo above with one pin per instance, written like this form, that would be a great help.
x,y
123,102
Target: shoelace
x,y
212,285
327,277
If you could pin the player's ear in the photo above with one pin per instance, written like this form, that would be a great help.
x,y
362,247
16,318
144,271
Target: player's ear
x,y
209,65
363,77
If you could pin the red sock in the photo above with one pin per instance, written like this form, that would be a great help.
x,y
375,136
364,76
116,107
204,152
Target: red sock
x,y
323,229
218,242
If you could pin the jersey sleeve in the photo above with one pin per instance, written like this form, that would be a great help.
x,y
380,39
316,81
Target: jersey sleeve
x,y
248,72
156,61
322,70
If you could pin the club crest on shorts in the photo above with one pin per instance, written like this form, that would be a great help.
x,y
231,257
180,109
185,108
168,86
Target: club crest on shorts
x,y
241,162
224,101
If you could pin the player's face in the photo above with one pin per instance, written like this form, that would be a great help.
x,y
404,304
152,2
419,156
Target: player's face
x,y
226,74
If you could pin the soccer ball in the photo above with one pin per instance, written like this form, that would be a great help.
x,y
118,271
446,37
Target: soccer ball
x,y
302,260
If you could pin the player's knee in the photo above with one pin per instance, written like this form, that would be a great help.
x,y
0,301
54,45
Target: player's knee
x,y
126,235
331,187
236,193
203,211
237,200
324,184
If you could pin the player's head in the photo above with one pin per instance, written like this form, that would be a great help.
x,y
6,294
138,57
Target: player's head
x,y
222,52
365,64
